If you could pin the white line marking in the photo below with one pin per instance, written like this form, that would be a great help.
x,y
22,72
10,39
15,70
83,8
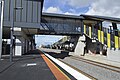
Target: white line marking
x,y
70,70
31,64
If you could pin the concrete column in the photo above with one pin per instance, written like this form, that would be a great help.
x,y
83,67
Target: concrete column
x,y
23,46
32,45
29,45
18,47
26,46
79,50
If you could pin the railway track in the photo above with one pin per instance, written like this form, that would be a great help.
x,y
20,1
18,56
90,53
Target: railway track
x,y
92,69
98,64
91,77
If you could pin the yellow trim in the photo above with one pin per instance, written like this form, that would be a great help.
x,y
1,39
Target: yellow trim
x,y
102,37
108,40
99,36
116,42
84,29
119,41
90,32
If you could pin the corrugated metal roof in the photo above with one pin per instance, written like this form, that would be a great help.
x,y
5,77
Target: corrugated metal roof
x,y
36,0
62,15
102,18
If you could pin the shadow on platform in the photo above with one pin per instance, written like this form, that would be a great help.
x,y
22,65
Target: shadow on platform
x,y
61,55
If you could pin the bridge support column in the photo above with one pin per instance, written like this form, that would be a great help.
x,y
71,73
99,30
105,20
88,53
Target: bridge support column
x,y
27,46
79,50
32,45
20,47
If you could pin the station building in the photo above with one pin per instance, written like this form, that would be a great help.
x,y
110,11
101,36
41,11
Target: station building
x,y
23,19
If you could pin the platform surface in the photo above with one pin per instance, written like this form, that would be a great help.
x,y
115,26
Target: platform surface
x,y
35,66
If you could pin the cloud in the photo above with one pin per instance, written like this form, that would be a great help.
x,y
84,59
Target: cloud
x,y
52,10
94,7
105,8
59,11
71,13
79,3
68,13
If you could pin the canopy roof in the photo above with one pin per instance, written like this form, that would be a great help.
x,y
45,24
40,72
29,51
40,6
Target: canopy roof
x,y
101,18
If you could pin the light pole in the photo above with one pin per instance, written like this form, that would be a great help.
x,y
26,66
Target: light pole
x,y
12,31
1,26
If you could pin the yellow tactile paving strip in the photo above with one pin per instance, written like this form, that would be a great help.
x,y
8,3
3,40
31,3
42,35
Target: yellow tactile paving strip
x,y
55,70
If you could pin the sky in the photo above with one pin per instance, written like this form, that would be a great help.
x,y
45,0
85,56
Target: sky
x,y
109,8
47,39
77,7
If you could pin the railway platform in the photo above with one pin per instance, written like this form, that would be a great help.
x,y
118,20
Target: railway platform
x,y
37,66
98,58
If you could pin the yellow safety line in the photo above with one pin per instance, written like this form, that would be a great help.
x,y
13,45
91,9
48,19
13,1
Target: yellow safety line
x,y
51,68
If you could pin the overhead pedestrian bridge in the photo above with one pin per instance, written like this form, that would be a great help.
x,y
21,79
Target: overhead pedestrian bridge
x,y
60,24
23,19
